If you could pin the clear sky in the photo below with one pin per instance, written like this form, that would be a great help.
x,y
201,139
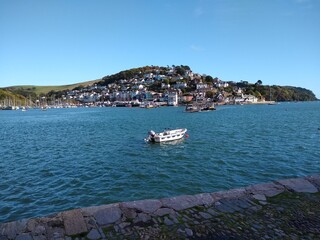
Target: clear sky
x,y
57,42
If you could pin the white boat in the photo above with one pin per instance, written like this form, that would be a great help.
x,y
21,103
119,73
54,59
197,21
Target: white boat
x,y
167,135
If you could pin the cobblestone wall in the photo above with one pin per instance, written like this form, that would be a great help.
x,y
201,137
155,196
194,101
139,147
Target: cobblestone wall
x,y
282,209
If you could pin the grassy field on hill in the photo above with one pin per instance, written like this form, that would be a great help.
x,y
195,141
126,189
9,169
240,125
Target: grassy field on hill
x,y
45,89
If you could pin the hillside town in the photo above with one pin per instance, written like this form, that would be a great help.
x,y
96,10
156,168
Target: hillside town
x,y
155,86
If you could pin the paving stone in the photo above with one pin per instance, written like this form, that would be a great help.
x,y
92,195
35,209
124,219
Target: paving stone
x,y
142,217
233,193
124,225
31,225
39,230
24,236
9,229
268,189
205,199
232,203
164,211
189,232
40,237
315,180
107,215
55,233
205,215
213,212
224,208
173,218
181,202
259,197
243,203
74,222
147,206
129,213
167,221
94,234
299,185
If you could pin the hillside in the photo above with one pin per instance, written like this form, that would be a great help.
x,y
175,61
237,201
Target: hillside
x,y
27,90
152,78
6,95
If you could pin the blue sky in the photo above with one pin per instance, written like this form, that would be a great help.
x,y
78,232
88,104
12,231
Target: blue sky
x,y
62,42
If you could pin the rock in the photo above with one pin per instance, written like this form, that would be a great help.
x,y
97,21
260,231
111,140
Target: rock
x,y
55,233
167,221
129,213
74,222
315,180
205,215
107,215
243,203
259,197
180,202
42,237
267,189
298,185
164,211
9,229
234,193
142,217
24,236
94,234
213,212
31,225
39,230
224,208
147,206
228,205
189,232
205,199
124,225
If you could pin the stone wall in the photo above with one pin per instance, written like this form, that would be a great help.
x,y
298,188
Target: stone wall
x,y
206,215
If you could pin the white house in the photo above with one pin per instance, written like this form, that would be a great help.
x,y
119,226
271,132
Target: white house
x,y
222,84
172,99
250,98
165,86
180,85
202,86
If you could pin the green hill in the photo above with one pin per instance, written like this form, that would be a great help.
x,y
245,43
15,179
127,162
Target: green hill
x,y
8,96
26,90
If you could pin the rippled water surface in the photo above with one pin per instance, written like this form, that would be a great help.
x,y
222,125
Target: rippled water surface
x,y
68,158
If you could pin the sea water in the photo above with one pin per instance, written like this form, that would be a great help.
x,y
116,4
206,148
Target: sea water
x,y
62,159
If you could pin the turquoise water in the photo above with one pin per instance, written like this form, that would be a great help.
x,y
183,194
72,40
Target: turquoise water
x,y
69,158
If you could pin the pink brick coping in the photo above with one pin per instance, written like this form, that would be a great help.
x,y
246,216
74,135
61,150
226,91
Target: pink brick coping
x,y
88,221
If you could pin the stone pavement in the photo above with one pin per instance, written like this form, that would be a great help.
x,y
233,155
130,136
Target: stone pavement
x,y
285,209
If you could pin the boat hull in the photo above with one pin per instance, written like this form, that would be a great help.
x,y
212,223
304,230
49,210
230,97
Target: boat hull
x,y
169,135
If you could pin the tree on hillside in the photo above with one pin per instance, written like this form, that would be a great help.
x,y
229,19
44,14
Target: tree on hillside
x,y
208,79
209,94
259,82
181,71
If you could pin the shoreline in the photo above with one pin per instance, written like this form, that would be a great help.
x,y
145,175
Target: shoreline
x,y
256,211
